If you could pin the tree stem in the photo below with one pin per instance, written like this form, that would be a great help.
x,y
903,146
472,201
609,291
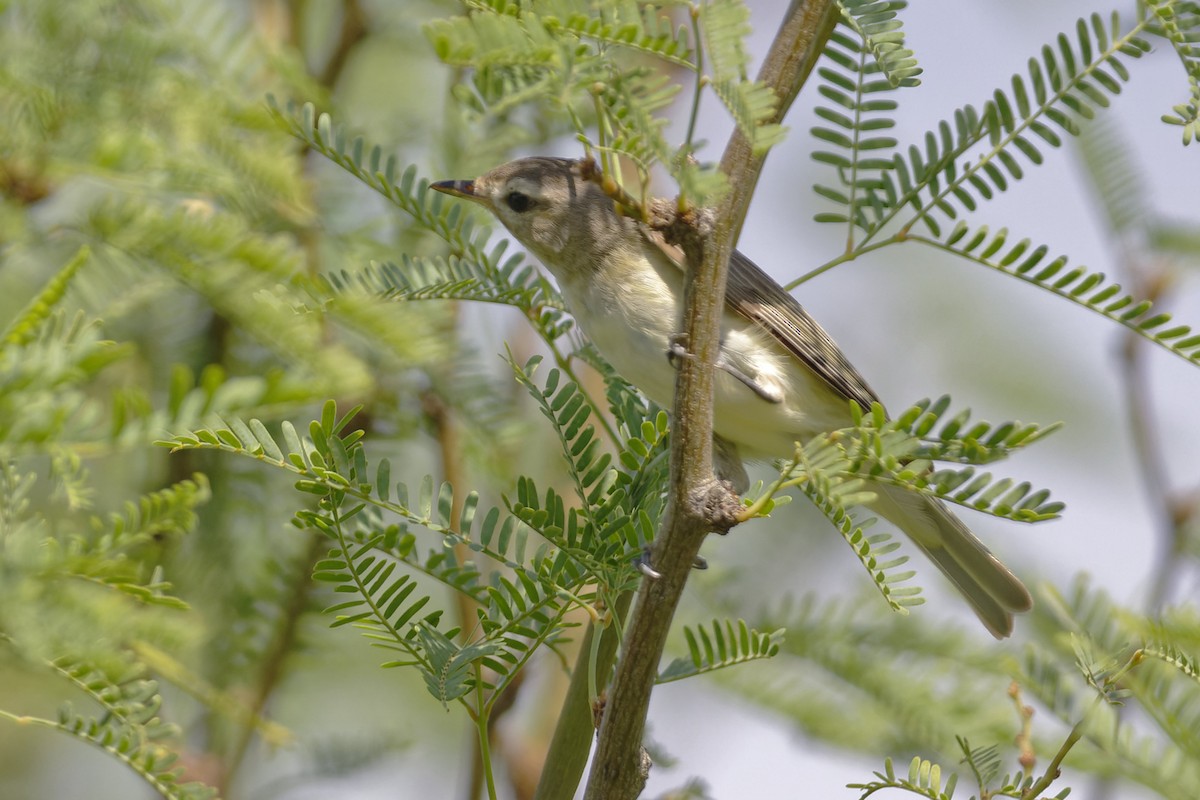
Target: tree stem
x,y
573,734
696,500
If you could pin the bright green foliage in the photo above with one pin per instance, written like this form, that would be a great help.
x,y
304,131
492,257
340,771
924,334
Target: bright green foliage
x,y
1131,706
523,598
597,64
1112,659
88,553
833,678
432,211
860,110
521,606
130,729
724,25
899,452
475,270
1063,86
828,478
943,174
613,516
969,160
924,779
977,443
149,214
23,328
831,500
1186,664
832,476
728,644
43,402
880,184
878,23
836,471
1179,24
513,283
85,576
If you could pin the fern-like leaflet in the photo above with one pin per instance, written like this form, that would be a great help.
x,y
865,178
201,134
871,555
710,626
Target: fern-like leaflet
x,y
518,611
832,497
722,644
854,127
937,180
130,729
900,451
1091,290
1179,24
836,472
724,26
879,25
924,779
563,50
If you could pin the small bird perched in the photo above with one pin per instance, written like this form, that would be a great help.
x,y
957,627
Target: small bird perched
x,y
780,377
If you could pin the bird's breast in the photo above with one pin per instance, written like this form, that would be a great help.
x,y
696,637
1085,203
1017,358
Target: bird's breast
x,y
631,316
630,313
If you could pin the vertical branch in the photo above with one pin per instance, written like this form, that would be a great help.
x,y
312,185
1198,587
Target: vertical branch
x,y
572,740
1172,509
272,666
697,502
1126,215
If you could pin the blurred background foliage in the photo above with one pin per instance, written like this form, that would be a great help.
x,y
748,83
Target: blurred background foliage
x,y
138,154
160,236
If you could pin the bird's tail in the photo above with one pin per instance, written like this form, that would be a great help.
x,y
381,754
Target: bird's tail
x,y
993,591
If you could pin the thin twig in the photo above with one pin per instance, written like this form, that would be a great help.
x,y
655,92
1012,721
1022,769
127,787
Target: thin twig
x,y
1054,768
274,660
1148,445
352,31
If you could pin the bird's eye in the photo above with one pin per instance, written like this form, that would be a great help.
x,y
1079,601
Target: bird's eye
x,y
518,202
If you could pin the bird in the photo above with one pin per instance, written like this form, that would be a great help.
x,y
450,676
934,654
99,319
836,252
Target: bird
x,y
780,378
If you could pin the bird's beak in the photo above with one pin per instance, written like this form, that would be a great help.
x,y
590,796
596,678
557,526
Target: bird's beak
x,y
464,189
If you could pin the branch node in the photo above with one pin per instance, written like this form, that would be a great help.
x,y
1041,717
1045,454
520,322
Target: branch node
x,y
717,504
688,229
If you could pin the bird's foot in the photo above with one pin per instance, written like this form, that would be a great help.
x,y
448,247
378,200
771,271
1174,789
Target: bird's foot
x,y
677,349
642,561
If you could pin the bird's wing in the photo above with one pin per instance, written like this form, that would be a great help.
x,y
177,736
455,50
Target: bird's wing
x,y
754,295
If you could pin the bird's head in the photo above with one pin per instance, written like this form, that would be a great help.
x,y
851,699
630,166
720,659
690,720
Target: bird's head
x,y
551,206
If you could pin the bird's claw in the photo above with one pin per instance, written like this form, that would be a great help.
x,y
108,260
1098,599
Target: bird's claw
x,y
677,349
642,561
